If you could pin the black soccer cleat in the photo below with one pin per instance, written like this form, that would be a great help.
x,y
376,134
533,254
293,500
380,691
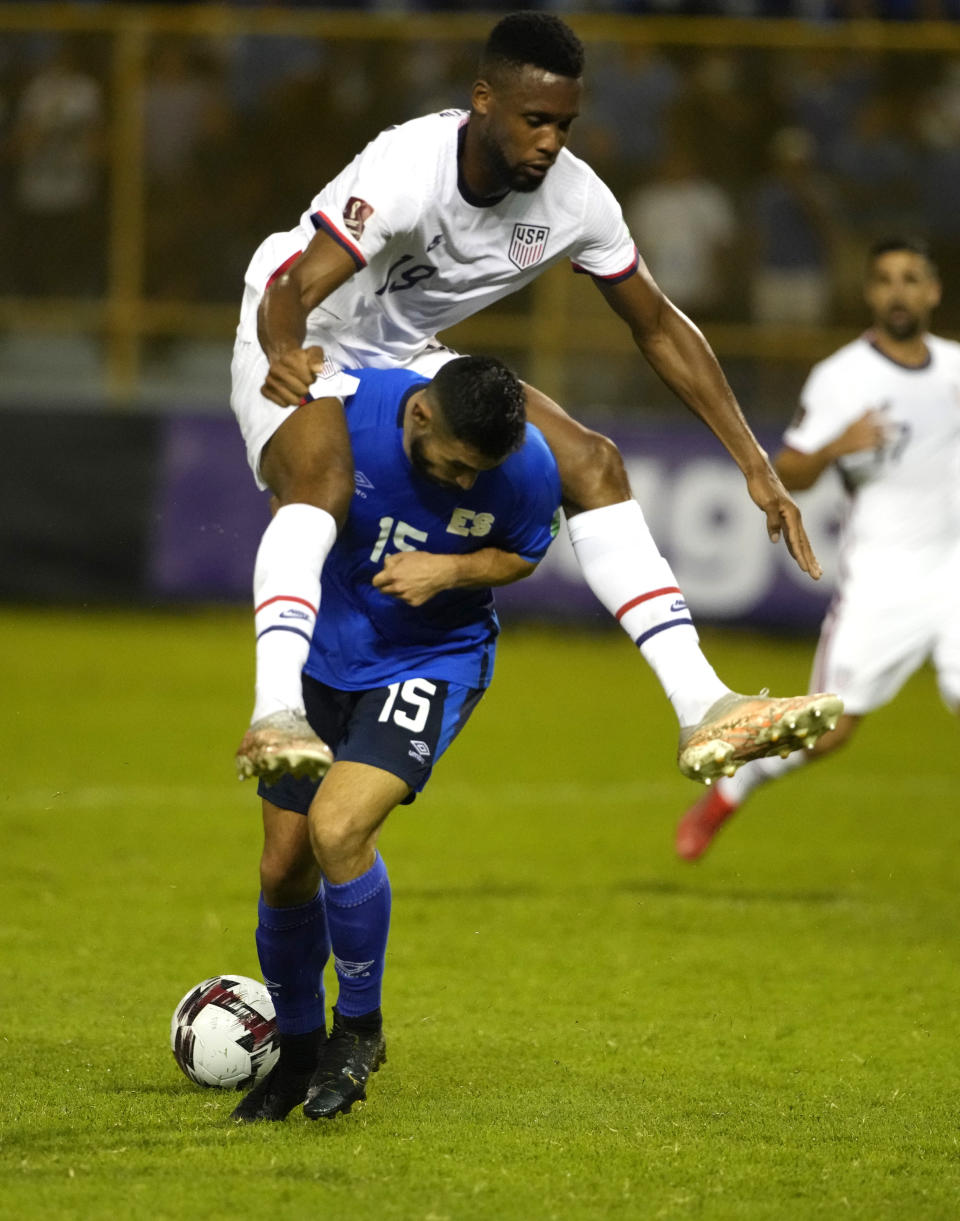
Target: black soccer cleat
x,y
273,1098
286,1085
346,1062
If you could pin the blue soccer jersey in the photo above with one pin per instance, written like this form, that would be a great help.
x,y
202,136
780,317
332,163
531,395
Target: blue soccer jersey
x,y
364,638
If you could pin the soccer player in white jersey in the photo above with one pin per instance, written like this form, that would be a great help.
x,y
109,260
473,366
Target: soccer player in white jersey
x,y
432,221
885,410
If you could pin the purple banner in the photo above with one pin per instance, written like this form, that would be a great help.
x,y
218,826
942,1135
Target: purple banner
x,y
209,518
209,515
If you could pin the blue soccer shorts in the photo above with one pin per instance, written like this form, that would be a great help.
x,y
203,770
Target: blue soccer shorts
x,y
403,729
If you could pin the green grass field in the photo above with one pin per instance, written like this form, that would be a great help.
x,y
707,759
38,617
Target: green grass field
x,y
579,1025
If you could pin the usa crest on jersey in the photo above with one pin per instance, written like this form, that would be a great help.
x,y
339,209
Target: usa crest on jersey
x,y
527,245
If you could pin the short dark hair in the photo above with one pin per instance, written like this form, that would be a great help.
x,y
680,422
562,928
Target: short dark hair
x,y
482,404
540,39
911,244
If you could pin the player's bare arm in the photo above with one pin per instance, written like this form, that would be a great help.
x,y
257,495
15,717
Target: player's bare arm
x,y
800,471
416,576
678,353
282,318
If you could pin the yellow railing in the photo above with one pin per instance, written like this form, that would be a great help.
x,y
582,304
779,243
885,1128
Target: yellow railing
x,y
557,325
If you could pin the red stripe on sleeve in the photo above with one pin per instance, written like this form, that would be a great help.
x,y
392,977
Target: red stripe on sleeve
x,y
284,266
321,220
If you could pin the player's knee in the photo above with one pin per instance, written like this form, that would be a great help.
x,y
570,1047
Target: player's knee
x,y
327,484
288,880
338,844
596,475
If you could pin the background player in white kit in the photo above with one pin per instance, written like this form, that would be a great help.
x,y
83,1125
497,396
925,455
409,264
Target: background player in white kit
x,y
433,220
886,410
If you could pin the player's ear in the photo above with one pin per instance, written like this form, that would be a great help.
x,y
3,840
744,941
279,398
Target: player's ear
x,y
421,414
481,97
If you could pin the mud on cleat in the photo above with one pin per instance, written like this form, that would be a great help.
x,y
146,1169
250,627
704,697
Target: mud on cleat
x,y
282,742
738,728
346,1062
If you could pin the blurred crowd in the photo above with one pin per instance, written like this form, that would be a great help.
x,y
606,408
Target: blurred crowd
x,y
752,179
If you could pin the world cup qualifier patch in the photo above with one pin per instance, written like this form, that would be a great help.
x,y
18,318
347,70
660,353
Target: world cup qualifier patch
x,y
355,215
528,245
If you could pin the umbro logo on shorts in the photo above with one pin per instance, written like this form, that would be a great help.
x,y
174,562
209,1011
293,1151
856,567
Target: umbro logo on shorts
x,y
422,749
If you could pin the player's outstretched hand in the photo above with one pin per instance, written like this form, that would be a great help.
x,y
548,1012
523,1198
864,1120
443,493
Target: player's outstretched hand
x,y
291,375
783,518
415,576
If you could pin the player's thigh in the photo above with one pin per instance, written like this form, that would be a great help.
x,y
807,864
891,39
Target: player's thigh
x,y
351,805
402,728
258,418
868,648
301,453
405,727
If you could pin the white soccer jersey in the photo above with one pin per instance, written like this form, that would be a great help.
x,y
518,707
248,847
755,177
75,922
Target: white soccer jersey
x,y
905,497
428,253
900,555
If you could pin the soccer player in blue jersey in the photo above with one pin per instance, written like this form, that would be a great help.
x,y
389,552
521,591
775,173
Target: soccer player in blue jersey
x,y
454,493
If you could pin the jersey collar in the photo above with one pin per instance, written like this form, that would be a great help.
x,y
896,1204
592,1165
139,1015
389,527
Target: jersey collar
x,y
869,336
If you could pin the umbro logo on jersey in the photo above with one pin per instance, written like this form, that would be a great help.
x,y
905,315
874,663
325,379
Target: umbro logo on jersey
x,y
678,605
528,245
360,479
422,749
434,241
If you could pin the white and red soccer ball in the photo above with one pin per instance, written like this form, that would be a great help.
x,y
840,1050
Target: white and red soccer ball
x,y
223,1033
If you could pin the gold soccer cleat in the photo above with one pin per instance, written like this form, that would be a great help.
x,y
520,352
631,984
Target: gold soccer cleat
x,y
282,742
738,728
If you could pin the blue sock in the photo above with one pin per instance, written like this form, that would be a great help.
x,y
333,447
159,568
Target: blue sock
x,y
358,917
293,946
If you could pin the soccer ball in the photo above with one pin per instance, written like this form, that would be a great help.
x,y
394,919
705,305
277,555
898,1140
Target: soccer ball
x,y
223,1032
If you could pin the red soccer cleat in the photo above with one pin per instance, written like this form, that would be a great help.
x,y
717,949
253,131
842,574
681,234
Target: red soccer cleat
x,y
695,831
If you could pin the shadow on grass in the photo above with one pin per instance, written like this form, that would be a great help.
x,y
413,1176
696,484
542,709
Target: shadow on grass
x,y
663,888
474,890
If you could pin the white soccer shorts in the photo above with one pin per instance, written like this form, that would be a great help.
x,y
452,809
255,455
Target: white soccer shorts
x,y
881,628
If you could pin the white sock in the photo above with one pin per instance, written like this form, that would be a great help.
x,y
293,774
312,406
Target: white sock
x,y
286,598
738,787
622,565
